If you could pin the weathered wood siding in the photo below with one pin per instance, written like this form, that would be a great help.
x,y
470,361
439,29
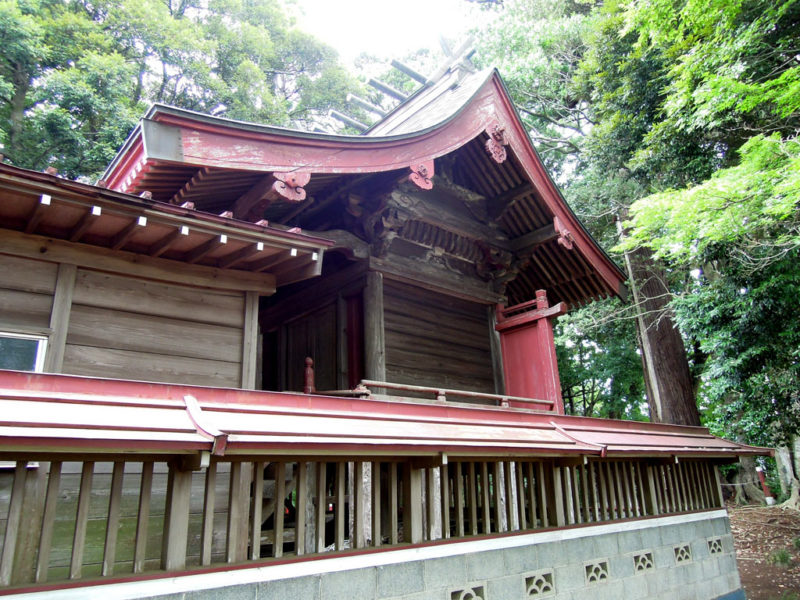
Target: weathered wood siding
x,y
26,292
436,340
136,329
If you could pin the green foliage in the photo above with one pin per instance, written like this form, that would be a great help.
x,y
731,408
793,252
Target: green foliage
x,y
746,323
780,557
76,75
600,370
750,205
796,543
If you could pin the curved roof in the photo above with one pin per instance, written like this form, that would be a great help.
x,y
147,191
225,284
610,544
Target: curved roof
x,y
178,155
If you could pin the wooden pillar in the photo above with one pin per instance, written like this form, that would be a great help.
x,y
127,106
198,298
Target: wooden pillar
x,y
176,519
112,525
59,317
374,334
238,511
651,498
250,341
497,353
301,514
556,493
412,504
28,537
12,524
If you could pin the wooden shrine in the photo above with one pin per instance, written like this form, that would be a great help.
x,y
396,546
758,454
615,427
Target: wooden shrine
x,y
250,358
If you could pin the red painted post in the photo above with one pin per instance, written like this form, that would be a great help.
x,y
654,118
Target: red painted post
x,y
308,378
529,352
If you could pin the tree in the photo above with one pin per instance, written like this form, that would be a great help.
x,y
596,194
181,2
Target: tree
x,y
76,75
589,100
734,86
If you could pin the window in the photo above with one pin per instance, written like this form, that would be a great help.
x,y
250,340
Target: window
x,y
22,352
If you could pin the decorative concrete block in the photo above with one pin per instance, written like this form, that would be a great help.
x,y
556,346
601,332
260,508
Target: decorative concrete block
x,y
511,588
569,577
485,565
664,556
606,545
635,587
400,579
720,527
727,543
651,537
620,566
345,585
300,588
444,572
710,567
540,584
628,541
522,559
672,535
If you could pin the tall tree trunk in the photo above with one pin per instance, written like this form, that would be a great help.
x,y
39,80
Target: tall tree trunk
x,y
668,382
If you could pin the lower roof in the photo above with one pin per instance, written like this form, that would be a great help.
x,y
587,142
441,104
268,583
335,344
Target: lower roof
x,y
43,413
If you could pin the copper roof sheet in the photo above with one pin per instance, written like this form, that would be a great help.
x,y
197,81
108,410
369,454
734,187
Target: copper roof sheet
x,y
58,413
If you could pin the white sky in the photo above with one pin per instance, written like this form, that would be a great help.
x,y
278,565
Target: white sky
x,y
386,28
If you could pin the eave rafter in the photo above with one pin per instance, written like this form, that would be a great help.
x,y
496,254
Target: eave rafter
x,y
72,212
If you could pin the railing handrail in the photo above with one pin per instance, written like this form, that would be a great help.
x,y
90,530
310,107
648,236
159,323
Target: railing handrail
x,y
441,393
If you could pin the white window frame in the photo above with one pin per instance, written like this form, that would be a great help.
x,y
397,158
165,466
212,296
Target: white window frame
x,y
41,349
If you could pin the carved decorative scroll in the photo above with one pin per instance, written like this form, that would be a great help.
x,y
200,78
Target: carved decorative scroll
x,y
290,185
497,142
564,235
422,174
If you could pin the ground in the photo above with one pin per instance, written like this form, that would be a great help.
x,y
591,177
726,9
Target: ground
x,y
760,534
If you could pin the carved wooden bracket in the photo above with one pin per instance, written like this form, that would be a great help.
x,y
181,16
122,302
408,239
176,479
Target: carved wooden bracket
x,y
497,142
290,185
564,235
422,174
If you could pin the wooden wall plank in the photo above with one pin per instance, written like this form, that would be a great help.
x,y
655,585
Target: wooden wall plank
x,y
433,339
122,364
122,330
104,290
24,312
27,274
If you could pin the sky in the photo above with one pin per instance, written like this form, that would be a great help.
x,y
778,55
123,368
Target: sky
x,y
386,28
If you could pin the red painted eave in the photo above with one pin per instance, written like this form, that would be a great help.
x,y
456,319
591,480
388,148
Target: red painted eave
x,y
59,413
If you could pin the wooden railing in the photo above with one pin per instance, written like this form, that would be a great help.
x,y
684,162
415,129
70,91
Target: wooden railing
x,y
70,520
